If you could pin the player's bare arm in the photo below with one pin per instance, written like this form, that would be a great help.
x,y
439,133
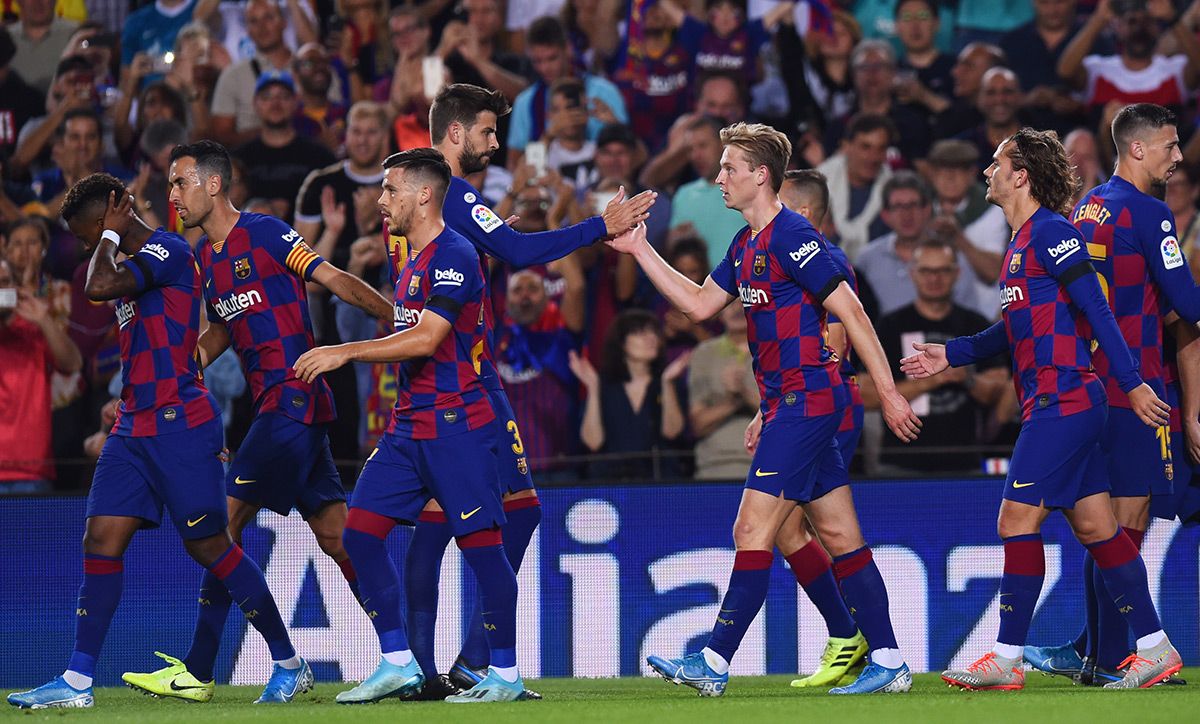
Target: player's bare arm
x,y
353,290
105,279
418,341
1187,344
699,303
212,343
896,411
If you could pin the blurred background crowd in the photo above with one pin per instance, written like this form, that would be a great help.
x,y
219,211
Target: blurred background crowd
x,y
900,103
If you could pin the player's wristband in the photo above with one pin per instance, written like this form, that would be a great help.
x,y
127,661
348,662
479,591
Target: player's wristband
x,y
111,235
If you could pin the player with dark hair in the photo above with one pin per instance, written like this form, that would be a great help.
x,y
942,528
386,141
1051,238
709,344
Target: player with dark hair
x,y
462,127
441,442
780,269
254,269
1133,242
165,446
1052,307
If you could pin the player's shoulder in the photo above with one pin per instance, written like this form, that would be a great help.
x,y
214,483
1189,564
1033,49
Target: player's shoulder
x,y
262,227
164,245
452,243
461,194
794,233
1050,228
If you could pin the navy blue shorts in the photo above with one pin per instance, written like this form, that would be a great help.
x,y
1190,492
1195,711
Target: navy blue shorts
x,y
847,440
284,463
1138,456
1183,500
1058,461
459,472
799,458
510,454
136,476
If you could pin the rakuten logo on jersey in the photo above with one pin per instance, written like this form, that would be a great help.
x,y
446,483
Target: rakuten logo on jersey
x,y
447,277
125,313
806,253
405,317
1008,295
751,296
1065,248
235,304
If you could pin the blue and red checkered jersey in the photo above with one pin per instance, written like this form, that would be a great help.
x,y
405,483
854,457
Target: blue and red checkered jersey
x,y
782,276
443,394
254,285
657,91
158,328
1131,238
847,371
734,53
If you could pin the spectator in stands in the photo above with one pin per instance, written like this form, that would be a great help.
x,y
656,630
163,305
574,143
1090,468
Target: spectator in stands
x,y
550,53
725,41
156,102
533,344
77,151
632,408
720,96
878,20
885,263
963,215
856,175
924,69
149,187
988,20
655,75
687,255
40,38
952,410
819,85
17,200
1083,153
998,102
1138,73
32,347
723,398
616,164
1183,192
336,204
700,204
234,118
318,118
18,100
874,71
279,159
228,18
568,149
474,52
961,111
1033,51
72,90
404,90
593,27
540,201
151,31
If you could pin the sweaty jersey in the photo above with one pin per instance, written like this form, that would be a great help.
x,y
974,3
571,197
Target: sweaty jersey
x,y
254,285
158,327
443,394
782,276
1131,238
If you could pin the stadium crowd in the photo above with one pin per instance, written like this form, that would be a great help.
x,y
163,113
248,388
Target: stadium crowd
x,y
899,104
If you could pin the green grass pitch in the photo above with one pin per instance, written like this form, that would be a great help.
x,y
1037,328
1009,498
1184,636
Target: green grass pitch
x,y
755,699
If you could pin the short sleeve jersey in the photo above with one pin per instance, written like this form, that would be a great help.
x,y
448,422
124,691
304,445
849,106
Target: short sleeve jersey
x,y
782,275
158,327
846,369
254,285
442,395
1048,336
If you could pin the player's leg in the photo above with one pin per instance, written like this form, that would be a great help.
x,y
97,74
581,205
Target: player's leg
x,y
317,493
422,572
813,569
1124,576
328,524
388,489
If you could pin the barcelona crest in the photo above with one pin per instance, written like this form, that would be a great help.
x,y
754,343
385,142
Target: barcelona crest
x,y
414,284
760,263
522,466
1014,264
241,267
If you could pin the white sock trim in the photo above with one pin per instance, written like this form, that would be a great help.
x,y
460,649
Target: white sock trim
x,y
715,661
290,664
1008,651
888,658
508,673
77,680
1149,641
398,658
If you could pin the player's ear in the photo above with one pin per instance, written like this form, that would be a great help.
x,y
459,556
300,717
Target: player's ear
x,y
1137,150
454,132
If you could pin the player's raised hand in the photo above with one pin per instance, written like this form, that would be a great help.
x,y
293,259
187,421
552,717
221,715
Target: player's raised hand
x,y
628,242
929,360
119,213
1153,411
320,359
898,415
753,433
623,214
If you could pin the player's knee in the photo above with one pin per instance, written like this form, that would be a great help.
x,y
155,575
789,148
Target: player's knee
x,y
331,544
791,538
206,551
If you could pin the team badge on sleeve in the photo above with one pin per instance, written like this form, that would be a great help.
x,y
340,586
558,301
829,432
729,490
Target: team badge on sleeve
x,y
241,267
1171,255
486,218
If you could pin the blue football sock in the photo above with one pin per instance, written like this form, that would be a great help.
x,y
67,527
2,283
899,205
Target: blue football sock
x,y
866,597
1020,586
99,595
378,579
247,587
1124,576
523,516
347,568
748,584
1085,642
211,614
484,553
814,572
422,571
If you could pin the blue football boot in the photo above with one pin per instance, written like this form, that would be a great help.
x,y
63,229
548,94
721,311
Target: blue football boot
x,y
388,680
692,670
284,684
57,694
878,679
1062,660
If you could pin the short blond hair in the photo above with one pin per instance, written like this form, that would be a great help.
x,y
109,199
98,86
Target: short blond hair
x,y
763,146
368,109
